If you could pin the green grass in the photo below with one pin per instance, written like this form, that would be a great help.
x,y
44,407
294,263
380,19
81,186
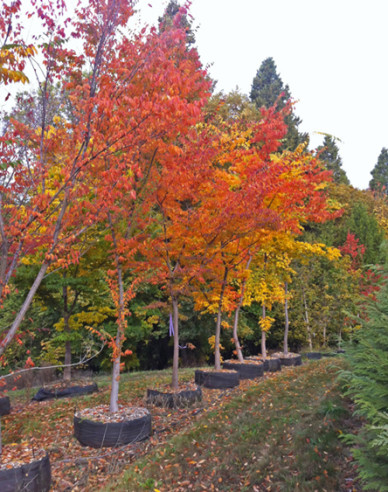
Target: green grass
x,y
279,434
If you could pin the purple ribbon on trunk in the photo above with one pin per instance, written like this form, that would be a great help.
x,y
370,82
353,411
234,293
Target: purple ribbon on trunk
x,y
171,327
171,331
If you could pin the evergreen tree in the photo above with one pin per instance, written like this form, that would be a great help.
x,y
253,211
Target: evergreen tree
x,y
330,156
379,181
267,88
366,228
367,383
167,20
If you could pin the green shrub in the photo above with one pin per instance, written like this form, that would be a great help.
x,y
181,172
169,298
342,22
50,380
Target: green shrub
x,y
366,382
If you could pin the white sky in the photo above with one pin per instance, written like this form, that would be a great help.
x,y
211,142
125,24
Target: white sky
x,y
331,53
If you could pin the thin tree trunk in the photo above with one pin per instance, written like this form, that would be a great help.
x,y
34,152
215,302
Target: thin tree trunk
x,y
286,324
1,440
324,335
309,339
235,335
340,339
263,339
23,310
114,394
217,352
175,360
236,316
66,316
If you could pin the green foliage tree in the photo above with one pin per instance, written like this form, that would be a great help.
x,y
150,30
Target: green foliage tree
x,y
167,20
367,383
330,156
365,227
379,181
268,89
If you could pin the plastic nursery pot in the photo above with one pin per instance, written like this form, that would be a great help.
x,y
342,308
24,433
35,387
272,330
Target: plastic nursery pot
x,y
217,379
184,398
271,364
5,406
294,360
313,355
47,394
31,477
112,434
248,370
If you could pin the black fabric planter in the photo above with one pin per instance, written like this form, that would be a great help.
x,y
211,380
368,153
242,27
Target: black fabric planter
x,y
270,365
46,394
246,371
184,398
32,477
98,434
329,354
296,360
313,355
217,379
273,365
5,406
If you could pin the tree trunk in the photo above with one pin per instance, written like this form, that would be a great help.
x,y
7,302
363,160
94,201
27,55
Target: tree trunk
x,y
324,335
340,338
235,335
66,316
175,360
23,310
263,339
309,339
286,327
217,352
114,395
236,315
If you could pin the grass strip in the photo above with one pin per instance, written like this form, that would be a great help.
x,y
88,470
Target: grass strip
x,y
278,434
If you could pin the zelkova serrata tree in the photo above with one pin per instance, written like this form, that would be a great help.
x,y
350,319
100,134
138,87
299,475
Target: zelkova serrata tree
x,y
129,99
290,193
46,197
167,94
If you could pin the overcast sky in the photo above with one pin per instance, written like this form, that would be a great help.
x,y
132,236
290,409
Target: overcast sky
x,y
331,53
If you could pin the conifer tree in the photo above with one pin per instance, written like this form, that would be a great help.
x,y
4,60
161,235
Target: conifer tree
x,y
367,384
267,88
168,17
330,156
365,227
379,181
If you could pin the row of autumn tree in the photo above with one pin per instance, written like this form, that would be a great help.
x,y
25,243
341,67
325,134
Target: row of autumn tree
x,y
129,191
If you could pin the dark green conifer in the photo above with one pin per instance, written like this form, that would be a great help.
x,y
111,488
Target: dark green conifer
x,y
367,384
168,18
379,181
267,88
330,156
